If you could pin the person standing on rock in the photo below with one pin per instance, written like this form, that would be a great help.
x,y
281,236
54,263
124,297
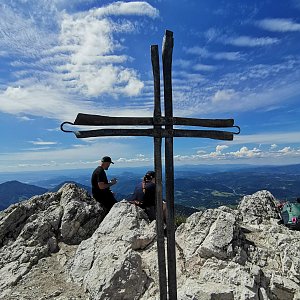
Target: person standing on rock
x,y
100,185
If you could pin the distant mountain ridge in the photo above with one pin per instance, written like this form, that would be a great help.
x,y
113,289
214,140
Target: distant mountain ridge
x,y
15,191
197,187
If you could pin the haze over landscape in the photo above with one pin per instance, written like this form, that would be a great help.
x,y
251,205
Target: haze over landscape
x,y
231,60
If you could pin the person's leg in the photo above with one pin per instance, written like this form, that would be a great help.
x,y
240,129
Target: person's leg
x,y
110,201
151,212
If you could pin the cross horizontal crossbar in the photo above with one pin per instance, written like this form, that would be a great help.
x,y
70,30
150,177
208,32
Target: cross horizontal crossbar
x,y
163,133
97,120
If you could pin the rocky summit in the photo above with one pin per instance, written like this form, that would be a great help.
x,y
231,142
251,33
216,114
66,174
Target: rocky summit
x,y
63,246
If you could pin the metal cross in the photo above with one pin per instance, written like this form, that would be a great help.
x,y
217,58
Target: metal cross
x,y
162,127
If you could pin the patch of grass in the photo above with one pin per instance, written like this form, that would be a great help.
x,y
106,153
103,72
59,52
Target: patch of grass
x,y
221,194
179,219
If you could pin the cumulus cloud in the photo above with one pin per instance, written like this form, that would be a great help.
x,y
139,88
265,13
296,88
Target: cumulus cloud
x,y
273,146
91,66
127,8
81,57
243,154
139,158
285,150
220,148
279,25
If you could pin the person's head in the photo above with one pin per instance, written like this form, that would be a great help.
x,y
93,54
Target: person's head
x,y
105,162
149,176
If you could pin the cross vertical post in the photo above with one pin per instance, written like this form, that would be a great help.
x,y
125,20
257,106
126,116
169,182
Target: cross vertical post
x,y
168,44
158,175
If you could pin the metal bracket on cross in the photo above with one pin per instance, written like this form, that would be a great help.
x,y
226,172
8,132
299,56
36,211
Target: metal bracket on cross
x,y
161,127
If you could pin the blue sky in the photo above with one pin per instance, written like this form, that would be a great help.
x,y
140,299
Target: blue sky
x,y
231,59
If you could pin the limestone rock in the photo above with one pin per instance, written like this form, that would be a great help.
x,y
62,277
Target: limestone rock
x,y
258,208
32,229
242,254
205,291
246,251
109,264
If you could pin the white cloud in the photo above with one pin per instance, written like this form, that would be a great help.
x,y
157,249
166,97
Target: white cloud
x,y
279,25
246,41
38,100
127,8
243,155
41,101
258,86
273,146
285,150
202,67
182,63
275,139
139,158
21,36
245,152
72,157
202,52
24,118
42,143
231,56
83,58
211,34
224,95
220,148
91,66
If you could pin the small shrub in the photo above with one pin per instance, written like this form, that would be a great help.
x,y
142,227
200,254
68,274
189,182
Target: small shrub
x,y
179,219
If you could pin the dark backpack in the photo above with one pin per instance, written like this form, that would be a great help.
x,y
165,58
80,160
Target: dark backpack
x,y
290,215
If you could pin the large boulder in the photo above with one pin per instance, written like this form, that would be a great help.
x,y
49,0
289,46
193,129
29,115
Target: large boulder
x,y
109,264
32,229
258,208
239,254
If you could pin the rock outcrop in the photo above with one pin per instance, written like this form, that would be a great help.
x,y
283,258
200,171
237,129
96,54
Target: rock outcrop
x,y
239,254
109,264
33,229
222,253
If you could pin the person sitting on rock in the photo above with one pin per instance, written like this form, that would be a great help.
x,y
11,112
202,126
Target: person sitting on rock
x,y
144,196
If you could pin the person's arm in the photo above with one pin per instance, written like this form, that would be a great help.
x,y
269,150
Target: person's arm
x,y
102,185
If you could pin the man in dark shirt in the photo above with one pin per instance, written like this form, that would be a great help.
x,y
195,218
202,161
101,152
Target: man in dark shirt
x,y
144,196
100,185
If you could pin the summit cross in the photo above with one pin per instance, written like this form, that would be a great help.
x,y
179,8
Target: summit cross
x,y
162,127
